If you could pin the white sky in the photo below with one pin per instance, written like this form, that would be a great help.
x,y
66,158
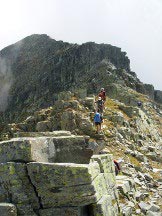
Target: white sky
x,y
133,25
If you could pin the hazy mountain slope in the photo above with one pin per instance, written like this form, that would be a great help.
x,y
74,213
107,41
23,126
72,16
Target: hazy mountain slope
x,y
38,67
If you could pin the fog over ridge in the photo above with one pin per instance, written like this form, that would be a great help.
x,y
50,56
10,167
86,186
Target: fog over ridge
x,y
5,83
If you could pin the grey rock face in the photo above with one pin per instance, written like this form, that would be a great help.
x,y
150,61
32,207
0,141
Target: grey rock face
x,y
61,185
127,211
68,121
15,187
76,185
125,184
158,96
89,102
149,90
103,207
65,96
67,185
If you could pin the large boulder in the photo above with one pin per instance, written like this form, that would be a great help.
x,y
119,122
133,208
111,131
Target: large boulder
x,y
59,188
67,184
64,184
72,149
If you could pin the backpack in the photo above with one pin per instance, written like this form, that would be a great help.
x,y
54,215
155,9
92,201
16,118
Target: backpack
x,y
97,117
100,103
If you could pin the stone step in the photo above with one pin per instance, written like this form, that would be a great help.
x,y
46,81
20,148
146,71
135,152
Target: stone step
x,y
40,134
72,149
125,184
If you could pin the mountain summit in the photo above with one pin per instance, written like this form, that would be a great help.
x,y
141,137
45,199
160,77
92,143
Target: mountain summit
x,y
36,68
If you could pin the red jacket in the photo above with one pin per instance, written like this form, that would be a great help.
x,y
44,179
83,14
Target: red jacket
x,y
102,94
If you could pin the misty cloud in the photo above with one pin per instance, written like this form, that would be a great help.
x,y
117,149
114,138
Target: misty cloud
x,y
5,83
135,26
6,75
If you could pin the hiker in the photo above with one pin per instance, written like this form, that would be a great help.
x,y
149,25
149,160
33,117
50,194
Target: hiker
x,y
139,103
117,164
100,105
102,94
98,121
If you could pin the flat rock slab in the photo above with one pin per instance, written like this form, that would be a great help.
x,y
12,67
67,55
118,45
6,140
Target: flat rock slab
x,y
40,134
8,209
69,184
62,174
59,188
64,184
24,150
72,149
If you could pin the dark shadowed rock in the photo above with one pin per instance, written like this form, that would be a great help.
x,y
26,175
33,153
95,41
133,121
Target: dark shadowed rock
x,y
8,209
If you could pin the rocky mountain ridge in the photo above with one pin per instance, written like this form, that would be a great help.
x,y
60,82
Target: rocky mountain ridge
x,y
52,161
37,68
129,132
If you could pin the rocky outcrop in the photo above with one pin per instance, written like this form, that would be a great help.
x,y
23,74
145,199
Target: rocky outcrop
x,y
42,67
71,149
65,174
158,96
37,68
51,160
36,185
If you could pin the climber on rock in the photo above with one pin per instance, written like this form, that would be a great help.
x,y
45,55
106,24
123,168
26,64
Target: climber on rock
x,y
98,121
139,104
100,105
102,94
117,164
